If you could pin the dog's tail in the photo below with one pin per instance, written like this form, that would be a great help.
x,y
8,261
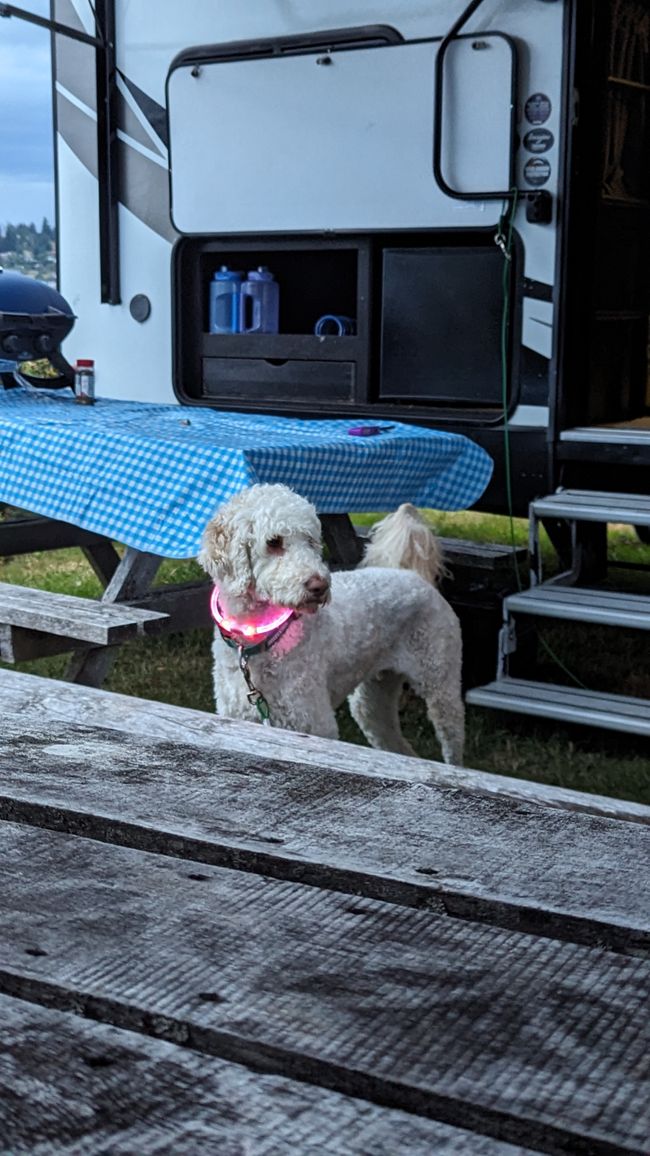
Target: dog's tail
x,y
404,541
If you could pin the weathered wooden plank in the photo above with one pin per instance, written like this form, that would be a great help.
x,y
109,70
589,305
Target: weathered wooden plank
x,y
135,573
132,577
525,1039
488,564
18,645
462,551
77,618
186,604
490,556
7,652
41,697
556,873
344,545
104,559
73,1085
26,534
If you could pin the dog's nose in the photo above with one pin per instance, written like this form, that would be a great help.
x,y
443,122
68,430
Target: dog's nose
x,y
317,586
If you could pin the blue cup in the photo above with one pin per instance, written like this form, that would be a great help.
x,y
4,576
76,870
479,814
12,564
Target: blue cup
x,y
335,325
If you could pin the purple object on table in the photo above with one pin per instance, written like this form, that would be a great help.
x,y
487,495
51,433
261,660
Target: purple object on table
x,y
367,431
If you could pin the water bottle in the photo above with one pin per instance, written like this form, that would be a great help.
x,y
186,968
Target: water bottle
x,y
260,302
225,294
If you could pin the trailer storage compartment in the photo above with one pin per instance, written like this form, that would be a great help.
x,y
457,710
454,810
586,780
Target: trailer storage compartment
x,y
399,303
316,279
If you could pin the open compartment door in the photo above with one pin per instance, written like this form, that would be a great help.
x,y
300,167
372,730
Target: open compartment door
x,y
315,139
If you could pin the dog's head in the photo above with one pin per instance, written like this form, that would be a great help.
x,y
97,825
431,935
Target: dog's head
x,y
264,545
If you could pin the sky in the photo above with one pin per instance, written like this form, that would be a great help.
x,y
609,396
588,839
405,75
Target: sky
x,y
26,161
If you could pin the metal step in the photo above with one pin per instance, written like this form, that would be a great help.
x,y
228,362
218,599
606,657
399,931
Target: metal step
x,y
582,604
598,436
594,506
569,704
625,434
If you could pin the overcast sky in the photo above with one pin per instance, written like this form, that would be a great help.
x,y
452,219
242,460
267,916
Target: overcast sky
x,y
26,165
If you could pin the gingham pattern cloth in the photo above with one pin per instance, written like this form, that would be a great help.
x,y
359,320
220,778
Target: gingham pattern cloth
x,y
151,476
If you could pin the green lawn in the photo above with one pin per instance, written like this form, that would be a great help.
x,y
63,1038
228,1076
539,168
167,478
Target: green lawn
x,y
176,669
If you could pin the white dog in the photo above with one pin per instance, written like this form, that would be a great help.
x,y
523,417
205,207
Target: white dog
x,y
294,641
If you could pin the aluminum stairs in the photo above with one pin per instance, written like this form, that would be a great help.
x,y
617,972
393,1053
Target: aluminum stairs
x,y
576,603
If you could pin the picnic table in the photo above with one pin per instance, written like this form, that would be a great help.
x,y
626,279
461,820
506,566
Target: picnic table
x,y
151,476
226,940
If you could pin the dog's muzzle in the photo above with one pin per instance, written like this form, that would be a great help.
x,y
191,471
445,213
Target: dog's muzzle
x,y
318,594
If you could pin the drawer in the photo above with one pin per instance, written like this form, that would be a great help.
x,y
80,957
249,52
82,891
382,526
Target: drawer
x,y
259,379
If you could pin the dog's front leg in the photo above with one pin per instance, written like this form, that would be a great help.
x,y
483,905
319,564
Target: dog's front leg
x,y
230,690
307,710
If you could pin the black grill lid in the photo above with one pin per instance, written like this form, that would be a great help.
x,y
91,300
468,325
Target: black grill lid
x,y
34,317
34,320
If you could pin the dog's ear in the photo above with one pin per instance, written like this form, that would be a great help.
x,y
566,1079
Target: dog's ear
x,y
224,555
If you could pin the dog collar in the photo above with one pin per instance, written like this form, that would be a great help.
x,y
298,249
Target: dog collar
x,y
257,633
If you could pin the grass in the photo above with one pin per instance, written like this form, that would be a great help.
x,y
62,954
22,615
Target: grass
x,y
176,669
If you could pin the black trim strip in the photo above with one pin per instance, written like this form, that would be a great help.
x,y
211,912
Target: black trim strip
x,y
154,113
340,39
107,159
51,25
538,290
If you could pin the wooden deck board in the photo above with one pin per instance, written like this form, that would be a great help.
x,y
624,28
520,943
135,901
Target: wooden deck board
x,y
72,1085
32,697
460,853
522,1038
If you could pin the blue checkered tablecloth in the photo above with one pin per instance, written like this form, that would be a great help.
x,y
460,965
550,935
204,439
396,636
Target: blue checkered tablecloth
x,y
151,476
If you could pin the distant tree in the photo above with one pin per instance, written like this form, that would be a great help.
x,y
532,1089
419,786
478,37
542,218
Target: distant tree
x,y
10,239
40,245
25,249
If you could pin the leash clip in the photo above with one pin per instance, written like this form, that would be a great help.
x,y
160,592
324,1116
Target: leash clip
x,y
254,696
500,242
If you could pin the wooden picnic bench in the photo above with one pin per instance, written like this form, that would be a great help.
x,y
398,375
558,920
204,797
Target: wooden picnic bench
x,y
222,938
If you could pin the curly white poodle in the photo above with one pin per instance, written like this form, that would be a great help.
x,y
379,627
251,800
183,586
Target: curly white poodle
x,y
294,641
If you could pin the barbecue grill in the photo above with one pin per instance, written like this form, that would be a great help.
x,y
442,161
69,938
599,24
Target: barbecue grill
x,y
34,320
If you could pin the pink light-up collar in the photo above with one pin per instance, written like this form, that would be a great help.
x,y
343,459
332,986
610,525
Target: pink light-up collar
x,y
254,630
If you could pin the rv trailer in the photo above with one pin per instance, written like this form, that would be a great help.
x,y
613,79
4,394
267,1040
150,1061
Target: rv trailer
x,y
451,199
468,182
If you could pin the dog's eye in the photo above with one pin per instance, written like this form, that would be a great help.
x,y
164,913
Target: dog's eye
x,y
274,544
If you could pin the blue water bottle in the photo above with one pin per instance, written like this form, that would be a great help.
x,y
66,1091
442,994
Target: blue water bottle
x,y
225,301
260,302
